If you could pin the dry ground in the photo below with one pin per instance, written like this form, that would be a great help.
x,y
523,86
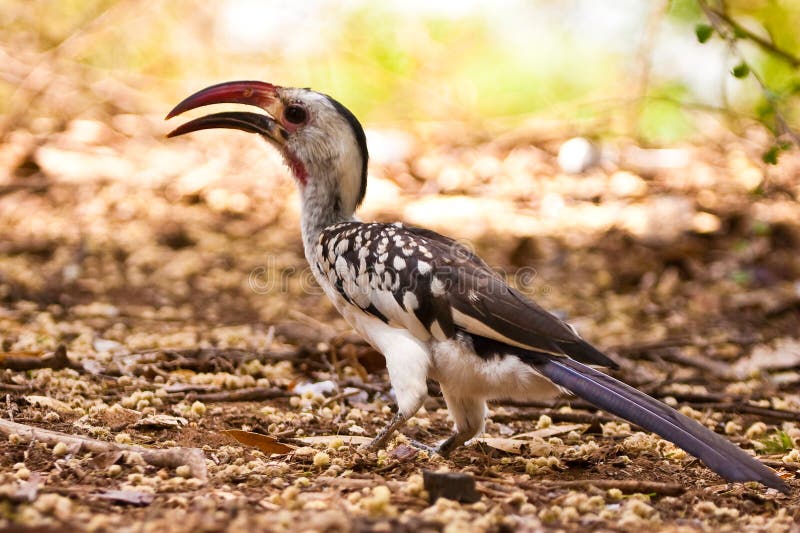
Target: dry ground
x,y
172,274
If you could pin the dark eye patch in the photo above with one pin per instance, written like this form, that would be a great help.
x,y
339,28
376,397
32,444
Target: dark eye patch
x,y
294,114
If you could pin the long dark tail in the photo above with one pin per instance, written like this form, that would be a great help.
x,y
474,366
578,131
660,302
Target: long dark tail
x,y
609,394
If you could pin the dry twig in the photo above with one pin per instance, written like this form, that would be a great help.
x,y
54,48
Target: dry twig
x,y
717,368
743,408
253,394
625,485
57,361
167,457
593,419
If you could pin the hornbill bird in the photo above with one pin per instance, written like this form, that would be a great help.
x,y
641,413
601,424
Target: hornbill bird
x,y
431,306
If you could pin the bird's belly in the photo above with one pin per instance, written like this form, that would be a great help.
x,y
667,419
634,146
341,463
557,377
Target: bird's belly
x,y
462,372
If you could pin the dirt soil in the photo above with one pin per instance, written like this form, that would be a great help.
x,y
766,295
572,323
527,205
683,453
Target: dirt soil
x,y
154,295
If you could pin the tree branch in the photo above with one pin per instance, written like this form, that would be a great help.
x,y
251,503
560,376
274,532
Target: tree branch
x,y
760,41
167,457
727,29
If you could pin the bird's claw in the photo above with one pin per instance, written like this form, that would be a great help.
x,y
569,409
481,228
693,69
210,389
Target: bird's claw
x,y
430,450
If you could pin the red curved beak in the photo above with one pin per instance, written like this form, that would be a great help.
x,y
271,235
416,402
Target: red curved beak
x,y
255,93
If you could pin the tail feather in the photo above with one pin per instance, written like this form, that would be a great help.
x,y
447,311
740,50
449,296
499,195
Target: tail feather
x,y
609,394
587,354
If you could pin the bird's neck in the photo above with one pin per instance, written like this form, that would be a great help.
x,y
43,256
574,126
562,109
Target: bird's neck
x,y
321,207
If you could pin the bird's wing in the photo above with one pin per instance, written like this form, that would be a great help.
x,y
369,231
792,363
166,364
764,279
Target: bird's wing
x,y
388,274
433,285
482,303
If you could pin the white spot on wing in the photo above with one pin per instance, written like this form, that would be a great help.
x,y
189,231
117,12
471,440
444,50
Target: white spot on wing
x,y
342,267
410,301
399,263
424,267
342,246
437,287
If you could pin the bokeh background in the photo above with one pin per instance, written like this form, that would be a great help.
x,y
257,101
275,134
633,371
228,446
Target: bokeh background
x,y
638,182
631,67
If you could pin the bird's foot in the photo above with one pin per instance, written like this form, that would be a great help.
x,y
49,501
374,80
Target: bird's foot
x,y
430,450
376,444
450,444
382,439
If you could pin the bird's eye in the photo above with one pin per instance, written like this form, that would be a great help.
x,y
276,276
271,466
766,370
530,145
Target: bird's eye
x,y
294,114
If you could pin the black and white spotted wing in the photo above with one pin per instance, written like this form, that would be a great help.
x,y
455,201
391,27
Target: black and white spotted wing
x,y
433,286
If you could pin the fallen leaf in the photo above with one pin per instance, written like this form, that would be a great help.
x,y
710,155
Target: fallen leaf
x,y
265,443
783,354
21,353
105,459
327,439
131,497
49,403
552,431
404,452
161,422
119,418
515,445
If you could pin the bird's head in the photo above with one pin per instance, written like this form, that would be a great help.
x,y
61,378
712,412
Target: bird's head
x,y
321,141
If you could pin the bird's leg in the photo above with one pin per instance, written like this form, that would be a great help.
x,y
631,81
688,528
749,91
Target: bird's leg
x,y
469,414
408,405
407,363
386,433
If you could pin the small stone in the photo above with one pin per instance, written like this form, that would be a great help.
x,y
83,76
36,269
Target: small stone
x,y
184,471
578,155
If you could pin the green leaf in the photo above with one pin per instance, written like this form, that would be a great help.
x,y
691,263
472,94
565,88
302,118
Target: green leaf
x,y
703,32
741,70
778,442
770,157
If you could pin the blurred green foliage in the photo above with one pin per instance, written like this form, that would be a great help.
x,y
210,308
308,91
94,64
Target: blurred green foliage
x,y
59,60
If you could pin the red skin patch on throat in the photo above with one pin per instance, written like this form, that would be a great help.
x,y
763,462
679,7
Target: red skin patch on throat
x,y
297,167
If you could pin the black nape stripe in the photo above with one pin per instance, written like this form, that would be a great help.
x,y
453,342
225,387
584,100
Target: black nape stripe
x,y
361,139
